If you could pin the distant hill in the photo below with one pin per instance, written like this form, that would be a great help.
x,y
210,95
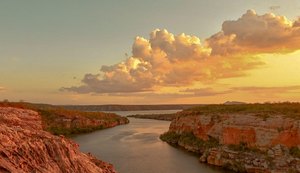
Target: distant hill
x,y
234,103
129,107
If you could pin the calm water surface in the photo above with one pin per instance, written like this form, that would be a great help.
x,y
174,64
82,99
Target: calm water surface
x,y
136,148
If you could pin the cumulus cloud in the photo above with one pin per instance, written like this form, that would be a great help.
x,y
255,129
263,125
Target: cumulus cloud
x,y
180,60
256,34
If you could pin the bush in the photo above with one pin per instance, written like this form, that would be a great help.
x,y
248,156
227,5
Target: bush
x,y
189,139
295,151
170,137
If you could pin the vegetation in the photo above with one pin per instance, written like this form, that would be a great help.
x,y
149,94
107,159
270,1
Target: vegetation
x,y
60,121
170,137
264,110
59,130
243,147
295,151
235,166
189,139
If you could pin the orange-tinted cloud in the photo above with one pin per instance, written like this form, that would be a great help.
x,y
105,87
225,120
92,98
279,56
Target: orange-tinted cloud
x,y
269,90
166,59
185,93
203,92
256,34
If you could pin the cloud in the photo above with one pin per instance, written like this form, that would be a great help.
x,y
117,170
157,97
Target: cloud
x,y
185,93
182,60
199,92
256,34
116,80
269,90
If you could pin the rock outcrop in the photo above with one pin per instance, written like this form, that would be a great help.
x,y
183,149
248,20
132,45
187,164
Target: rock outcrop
x,y
235,129
26,147
71,122
60,121
245,142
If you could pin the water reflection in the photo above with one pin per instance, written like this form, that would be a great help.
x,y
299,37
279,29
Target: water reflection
x,y
136,148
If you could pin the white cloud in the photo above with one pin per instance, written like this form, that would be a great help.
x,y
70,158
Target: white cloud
x,y
166,59
255,34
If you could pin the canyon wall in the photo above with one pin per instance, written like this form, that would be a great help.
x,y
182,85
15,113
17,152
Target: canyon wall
x,y
240,142
26,147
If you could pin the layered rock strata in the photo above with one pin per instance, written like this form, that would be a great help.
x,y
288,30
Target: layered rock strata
x,y
240,142
26,147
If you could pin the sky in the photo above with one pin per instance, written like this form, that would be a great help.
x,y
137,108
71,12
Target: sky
x,y
149,51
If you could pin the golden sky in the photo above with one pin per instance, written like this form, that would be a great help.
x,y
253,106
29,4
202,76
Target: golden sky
x,y
253,57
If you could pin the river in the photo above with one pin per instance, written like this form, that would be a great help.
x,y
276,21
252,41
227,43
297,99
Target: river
x,y
136,148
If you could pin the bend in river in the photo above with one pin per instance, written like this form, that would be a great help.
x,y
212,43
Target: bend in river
x,y
136,148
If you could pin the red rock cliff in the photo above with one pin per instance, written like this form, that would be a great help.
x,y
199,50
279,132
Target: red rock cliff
x,y
25,147
235,129
240,142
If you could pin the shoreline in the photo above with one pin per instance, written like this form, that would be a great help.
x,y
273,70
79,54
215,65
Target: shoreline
x,y
163,117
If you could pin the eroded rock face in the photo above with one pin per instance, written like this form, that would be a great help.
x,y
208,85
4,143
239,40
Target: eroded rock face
x,y
25,147
235,129
247,143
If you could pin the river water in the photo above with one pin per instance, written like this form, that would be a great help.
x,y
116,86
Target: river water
x,y
136,148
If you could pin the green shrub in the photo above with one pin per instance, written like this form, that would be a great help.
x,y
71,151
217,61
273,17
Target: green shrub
x,y
295,151
170,137
189,139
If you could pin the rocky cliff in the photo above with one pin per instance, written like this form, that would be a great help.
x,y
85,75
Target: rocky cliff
x,y
68,122
60,121
26,147
244,141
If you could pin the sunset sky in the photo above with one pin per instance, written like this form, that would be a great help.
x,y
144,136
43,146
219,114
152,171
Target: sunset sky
x,y
149,51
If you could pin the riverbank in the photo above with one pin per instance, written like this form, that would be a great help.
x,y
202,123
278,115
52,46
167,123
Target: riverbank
x,y
164,117
243,138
